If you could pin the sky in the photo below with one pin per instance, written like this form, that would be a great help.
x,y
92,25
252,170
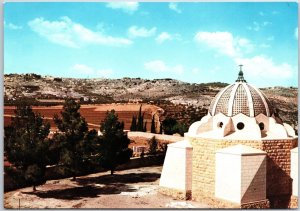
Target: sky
x,y
194,42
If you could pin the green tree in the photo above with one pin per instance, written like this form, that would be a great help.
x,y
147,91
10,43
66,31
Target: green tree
x,y
26,145
171,126
113,143
153,146
140,120
73,140
153,130
133,126
168,125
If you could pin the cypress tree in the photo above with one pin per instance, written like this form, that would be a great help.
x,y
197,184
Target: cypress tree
x,y
140,122
133,124
153,130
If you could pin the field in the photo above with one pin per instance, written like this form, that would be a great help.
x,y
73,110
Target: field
x,y
93,114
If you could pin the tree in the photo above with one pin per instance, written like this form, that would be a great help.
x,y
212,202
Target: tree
x,y
153,130
171,126
26,145
153,144
74,139
133,124
113,143
137,123
168,125
140,122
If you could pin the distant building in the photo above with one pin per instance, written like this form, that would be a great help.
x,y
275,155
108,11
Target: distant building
x,y
240,155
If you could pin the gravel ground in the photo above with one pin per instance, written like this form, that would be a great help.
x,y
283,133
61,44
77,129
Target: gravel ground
x,y
134,188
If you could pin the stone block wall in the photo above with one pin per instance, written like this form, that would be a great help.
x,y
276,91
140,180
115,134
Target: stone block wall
x,y
278,165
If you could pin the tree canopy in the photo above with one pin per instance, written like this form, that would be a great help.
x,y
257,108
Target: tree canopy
x,y
26,144
113,143
73,140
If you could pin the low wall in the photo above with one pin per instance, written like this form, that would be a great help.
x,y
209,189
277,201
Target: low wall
x,y
278,167
144,136
51,173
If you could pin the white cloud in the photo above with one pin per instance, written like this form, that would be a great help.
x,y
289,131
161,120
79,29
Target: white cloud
x,y
87,70
296,33
257,26
245,45
135,31
264,45
262,66
160,66
221,41
163,37
174,6
225,43
12,26
65,32
128,7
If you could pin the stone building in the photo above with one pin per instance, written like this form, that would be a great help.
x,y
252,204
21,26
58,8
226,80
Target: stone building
x,y
240,155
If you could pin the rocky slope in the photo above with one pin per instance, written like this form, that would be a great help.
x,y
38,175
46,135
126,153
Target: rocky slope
x,y
177,98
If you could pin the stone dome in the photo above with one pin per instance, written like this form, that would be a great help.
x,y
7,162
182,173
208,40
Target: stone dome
x,y
241,97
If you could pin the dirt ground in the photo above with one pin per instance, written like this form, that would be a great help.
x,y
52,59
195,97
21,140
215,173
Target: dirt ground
x,y
134,188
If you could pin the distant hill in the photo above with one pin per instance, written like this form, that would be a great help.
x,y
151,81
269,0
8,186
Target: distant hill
x,y
52,90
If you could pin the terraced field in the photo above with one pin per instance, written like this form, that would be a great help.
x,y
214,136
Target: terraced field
x,y
93,114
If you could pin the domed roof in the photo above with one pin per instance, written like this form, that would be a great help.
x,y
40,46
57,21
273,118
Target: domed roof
x,y
241,97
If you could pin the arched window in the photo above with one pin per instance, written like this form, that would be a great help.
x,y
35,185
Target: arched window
x,y
220,124
240,125
261,126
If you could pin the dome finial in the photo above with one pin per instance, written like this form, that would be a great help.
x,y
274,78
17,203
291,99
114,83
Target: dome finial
x,y
241,75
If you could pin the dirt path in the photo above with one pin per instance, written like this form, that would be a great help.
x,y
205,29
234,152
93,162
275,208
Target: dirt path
x,y
134,188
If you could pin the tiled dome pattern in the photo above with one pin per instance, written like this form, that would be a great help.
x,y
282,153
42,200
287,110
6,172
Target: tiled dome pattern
x,y
241,97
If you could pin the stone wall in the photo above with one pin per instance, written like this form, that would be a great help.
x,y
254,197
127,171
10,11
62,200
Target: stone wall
x,y
278,166
145,136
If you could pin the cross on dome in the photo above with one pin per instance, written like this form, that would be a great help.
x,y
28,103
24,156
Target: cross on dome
x,y
241,75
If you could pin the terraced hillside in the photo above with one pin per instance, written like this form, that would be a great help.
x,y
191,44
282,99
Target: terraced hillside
x,y
187,102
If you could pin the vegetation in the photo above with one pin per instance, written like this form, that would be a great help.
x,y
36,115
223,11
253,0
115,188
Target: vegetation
x,y
114,143
171,126
26,145
133,124
153,146
153,130
74,139
137,123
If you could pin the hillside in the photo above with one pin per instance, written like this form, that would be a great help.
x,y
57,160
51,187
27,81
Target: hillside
x,y
179,99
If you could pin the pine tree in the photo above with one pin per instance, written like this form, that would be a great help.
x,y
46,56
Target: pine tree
x,y
73,138
26,145
114,143
153,130
133,124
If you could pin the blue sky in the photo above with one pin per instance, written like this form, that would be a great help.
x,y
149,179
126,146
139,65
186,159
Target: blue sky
x,y
194,42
